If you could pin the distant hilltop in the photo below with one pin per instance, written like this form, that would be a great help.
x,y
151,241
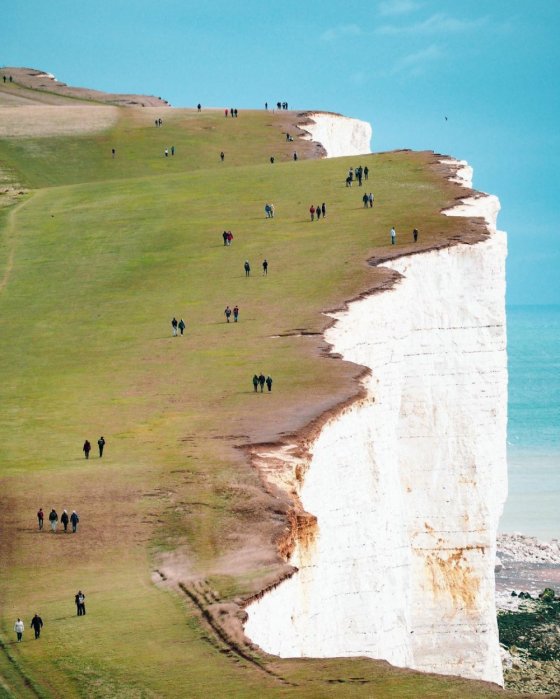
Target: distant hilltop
x,y
39,80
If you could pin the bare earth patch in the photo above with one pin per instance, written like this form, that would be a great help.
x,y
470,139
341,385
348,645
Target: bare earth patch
x,y
46,120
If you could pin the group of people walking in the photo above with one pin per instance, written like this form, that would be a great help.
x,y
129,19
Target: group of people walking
x,y
65,520
228,237
232,112
36,624
320,209
368,200
359,173
260,380
247,267
229,312
393,234
178,326
100,445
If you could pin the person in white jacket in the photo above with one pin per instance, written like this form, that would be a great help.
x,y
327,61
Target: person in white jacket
x,y
18,628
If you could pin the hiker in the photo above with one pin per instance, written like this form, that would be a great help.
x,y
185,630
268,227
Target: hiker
x,y
318,211
255,382
74,519
287,137
265,104
267,210
365,199
269,383
393,235
312,212
174,324
4,78
229,237
366,172
222,156
157,123
265,267
160,121
37,625
348,181
53,519
235,113
80,600
272,159
86,448
351,174
224,236
181,325
415,235
370,199
247,268
271,206
18,628
166,152
261,381
64,519
235,313
231,112
324,210
113,152
40,518
101,446
295,155
172,150
227,313
226,112
199,106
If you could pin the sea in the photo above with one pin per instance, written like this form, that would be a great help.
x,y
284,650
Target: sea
x,y
533,450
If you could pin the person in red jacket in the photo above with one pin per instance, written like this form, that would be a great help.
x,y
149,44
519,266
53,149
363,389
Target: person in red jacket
x,y
312,212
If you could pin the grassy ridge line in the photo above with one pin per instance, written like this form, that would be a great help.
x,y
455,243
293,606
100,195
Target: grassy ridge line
x,y
111,261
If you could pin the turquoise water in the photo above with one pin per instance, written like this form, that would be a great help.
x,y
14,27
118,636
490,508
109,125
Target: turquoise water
x,y
533,505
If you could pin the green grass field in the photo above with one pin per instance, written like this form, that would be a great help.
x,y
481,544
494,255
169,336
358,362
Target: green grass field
x,y
94,262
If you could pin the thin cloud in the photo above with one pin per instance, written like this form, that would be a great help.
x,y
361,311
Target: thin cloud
x,y
436,24
416,63
344,30
388,8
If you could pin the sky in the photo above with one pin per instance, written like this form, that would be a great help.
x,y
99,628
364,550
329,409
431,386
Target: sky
x,y
490,66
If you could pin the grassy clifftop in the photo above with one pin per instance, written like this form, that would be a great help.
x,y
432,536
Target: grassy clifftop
x,y
95,259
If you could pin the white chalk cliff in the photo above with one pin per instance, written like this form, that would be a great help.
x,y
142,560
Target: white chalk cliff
x,y
407,484
339,135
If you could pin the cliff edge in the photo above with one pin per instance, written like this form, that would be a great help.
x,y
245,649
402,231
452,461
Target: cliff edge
x,y
404,488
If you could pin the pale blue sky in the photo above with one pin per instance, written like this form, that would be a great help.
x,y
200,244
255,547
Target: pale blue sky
x,y
490,66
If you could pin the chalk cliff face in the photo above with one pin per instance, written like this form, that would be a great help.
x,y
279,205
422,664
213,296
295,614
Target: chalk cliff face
x,y
339,135
408,484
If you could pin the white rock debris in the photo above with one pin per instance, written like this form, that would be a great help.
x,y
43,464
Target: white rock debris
x,y
408,484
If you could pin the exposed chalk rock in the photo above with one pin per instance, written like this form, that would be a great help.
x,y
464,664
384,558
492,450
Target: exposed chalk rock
x,y
408,484
339,135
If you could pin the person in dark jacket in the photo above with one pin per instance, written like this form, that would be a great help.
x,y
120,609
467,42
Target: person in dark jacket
x,y
235,313
80,600
269,383
40,517
182,326
74,519
53,519
101,445
265,267
247,268
255,382
64,519
262,381
86,448
37,625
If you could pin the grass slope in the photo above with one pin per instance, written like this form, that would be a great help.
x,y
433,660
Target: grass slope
x,y
94,264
